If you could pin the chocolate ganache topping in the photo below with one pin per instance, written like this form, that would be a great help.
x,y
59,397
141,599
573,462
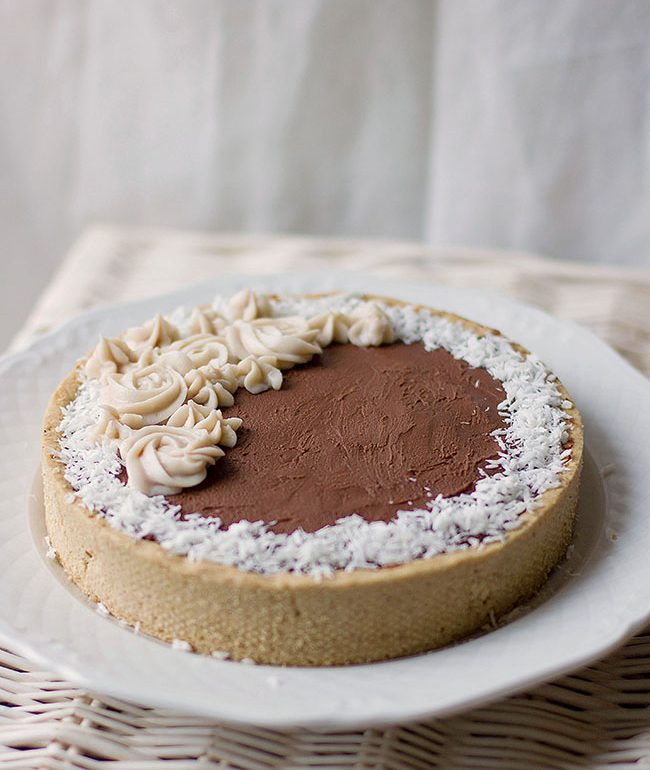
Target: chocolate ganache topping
x,y
358,430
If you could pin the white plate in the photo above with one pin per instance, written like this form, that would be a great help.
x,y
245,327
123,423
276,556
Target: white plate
x,y
594,601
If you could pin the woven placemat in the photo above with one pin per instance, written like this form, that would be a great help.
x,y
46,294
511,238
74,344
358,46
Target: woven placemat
x,y
596,718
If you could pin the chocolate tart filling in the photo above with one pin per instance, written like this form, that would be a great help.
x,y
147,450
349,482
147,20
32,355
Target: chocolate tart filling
x,y
358,430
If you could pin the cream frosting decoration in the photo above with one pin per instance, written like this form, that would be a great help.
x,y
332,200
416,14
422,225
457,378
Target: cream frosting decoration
x,y
153,334
266,339
163,459
203,349
108,357
370,326
145,395
222,430
206,386
246,305
258,374
330,327
175,379
206,320
108,426
224,381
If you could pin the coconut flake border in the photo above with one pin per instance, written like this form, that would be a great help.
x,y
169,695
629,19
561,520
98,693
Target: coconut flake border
x,y
531,460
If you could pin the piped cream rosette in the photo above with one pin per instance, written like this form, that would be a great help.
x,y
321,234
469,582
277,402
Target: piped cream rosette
x,y
162,391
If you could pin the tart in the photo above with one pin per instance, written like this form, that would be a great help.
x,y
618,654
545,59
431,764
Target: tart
x,y
312,480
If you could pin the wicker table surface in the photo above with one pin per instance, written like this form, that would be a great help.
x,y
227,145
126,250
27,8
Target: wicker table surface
x,y
598,717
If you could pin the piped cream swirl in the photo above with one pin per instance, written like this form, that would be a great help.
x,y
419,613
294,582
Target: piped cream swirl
x,y
206,320
222,430
370,326
245,339
108,357
164,459
330,327
145,395
203,349
257,374
246,305
153,334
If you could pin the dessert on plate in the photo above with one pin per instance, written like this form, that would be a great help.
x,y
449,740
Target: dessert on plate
x,y
310,480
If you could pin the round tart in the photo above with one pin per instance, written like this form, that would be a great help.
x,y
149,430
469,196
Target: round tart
x,y
314,480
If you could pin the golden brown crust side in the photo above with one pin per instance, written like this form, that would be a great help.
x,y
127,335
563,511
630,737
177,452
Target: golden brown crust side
x,y
352,617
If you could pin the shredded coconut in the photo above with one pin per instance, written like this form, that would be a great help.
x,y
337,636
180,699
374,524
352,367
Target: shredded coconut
x,y
51,551
530,462
181,644
102,609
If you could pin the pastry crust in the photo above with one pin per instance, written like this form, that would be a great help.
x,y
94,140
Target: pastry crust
x,y
291,619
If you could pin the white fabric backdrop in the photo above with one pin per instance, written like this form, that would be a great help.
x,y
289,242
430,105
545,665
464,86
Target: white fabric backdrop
x,y
507,123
